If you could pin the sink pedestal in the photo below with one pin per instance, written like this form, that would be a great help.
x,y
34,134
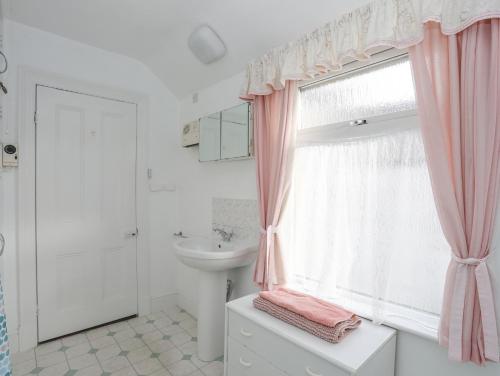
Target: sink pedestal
x,y
213,259
211,303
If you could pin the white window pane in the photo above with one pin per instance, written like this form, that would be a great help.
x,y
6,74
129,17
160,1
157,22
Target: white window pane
x,y
361,218
380,90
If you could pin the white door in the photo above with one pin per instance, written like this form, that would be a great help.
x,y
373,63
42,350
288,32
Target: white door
x,y
86,216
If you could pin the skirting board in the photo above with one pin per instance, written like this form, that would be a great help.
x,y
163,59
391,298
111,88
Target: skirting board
x,y
164,303
188,305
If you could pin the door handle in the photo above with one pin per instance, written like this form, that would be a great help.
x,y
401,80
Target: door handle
x,y
131,234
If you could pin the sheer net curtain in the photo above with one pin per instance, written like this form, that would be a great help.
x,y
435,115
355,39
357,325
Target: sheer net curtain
x,y
361,227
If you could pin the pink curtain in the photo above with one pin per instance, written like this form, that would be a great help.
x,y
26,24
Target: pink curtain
x,y
274,135
457,80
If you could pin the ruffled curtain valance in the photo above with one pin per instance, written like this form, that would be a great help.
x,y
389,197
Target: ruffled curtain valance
x,y
382,23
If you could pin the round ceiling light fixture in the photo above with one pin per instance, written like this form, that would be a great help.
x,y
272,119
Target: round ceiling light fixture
x,y
206,45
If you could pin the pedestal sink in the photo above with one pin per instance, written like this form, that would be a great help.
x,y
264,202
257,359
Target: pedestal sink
x,y
213,260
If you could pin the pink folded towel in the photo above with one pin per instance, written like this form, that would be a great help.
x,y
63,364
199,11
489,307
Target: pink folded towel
x,y
331,334
307,306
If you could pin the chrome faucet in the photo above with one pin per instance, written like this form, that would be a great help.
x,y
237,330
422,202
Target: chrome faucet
x,y
226,236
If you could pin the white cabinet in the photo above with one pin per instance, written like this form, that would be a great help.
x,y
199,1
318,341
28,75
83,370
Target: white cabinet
x,y
259,344
244,362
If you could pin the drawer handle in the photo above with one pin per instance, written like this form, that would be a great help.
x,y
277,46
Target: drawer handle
x,y
311,373
244,333
245,363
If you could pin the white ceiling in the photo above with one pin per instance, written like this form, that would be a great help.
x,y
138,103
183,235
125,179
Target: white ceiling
x,y
156,31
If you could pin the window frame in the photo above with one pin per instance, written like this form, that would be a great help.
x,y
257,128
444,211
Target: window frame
x,y
421,323
353,66
344,132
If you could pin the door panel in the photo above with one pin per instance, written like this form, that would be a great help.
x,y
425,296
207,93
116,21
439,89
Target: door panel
x,y
68,152
85,192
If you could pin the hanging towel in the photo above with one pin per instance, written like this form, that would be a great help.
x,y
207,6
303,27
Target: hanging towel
x,y
331,334
307,306
5,369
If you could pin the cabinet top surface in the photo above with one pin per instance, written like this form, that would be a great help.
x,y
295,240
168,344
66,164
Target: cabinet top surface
x,y
351,353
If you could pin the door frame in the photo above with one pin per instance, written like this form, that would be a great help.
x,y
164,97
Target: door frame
x,y
27,280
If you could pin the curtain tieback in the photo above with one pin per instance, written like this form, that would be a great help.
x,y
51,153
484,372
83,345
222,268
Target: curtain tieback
x,y
486,302
270,229
270,264
469,261
269,233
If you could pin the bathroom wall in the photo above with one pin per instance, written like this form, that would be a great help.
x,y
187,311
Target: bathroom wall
x,y
199,183
241,217
2,100
237,216
26,46
416,356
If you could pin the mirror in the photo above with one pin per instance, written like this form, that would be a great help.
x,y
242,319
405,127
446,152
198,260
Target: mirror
x,y
210,137
226,134
234,132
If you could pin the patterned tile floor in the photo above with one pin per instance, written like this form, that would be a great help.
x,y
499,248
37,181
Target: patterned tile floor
x,y
162,344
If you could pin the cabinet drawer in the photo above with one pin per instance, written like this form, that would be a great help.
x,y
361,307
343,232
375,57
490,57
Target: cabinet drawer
x,y
246,331
286,356
244,362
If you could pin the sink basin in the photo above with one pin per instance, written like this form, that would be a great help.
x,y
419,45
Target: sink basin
x,y
213,260
212,256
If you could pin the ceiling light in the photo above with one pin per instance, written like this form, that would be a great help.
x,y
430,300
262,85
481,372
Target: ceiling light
x,y
206,44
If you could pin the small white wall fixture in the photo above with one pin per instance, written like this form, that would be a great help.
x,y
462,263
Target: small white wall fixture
x,y
28,81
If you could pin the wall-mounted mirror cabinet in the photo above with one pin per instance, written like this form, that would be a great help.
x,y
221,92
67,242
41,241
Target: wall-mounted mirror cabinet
x,y
226,134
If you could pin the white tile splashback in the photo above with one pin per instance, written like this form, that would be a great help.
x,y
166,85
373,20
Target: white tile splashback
x,y
240,216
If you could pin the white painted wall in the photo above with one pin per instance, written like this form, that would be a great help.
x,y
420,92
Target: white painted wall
x,y
416,356
200,182
26,46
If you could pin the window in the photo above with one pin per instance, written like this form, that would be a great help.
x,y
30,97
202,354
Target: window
x,y
379,90
361,227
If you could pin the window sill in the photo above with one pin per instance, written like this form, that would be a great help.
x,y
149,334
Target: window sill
x,y
408,326
401,318
398,317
